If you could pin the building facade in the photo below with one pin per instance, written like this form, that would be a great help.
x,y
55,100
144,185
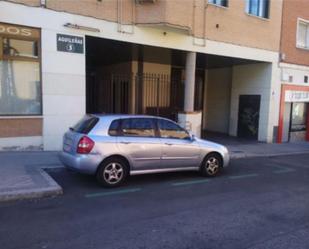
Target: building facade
x,y
210,65
294,64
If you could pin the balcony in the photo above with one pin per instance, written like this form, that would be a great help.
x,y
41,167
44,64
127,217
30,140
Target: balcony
x,y
176,15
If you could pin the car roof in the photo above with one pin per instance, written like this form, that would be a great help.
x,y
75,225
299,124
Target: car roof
x,y
106,119
116,116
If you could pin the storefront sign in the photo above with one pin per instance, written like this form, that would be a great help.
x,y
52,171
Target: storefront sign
x,y
70,44
18,31
296,96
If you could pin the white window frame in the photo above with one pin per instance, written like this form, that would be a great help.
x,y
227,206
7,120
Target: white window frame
x,y
260,5
212,2
306,22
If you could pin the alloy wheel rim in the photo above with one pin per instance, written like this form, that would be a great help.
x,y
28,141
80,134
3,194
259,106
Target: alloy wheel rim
x,y
212,165
113,173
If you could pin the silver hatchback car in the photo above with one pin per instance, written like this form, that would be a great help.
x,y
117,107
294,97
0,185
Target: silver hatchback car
x,y
111,147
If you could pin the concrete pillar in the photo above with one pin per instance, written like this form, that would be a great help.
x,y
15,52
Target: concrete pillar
x,y
189,119
190,82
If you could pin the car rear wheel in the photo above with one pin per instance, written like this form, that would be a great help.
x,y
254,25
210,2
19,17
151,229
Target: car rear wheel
x,y
112,172
212,165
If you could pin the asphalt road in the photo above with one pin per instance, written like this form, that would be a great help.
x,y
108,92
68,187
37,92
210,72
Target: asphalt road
x,y
256,203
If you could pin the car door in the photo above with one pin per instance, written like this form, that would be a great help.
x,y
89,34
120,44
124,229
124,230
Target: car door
x,y
178,149
139,142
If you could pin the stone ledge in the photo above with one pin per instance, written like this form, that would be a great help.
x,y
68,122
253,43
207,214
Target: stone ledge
x,y
52,189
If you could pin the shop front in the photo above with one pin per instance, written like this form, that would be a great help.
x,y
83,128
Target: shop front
x,y
20,83
294,114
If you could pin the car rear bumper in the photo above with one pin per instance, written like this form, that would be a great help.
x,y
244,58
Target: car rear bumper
x,y
86,164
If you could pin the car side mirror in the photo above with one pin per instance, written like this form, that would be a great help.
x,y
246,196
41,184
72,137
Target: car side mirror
x,y
192,137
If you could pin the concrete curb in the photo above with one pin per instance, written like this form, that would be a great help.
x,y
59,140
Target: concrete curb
x,y
53,189
30,194
251,155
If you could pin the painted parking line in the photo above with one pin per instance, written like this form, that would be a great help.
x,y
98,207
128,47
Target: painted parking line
x,y
117,192
282,169
190,182
243,176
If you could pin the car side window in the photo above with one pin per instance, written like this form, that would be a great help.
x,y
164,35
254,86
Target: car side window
x,y
169,129
114,128
138,127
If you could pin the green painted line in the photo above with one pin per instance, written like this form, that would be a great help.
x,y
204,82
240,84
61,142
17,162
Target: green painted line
x,y
282,169
243,176
190,182
108,193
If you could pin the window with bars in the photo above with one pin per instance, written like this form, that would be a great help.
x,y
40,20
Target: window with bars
x,y
258,8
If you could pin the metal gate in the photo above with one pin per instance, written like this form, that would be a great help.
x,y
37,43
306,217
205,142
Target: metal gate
x,y
156,95
152,94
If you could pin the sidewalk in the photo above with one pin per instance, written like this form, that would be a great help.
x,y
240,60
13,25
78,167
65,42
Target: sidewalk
x,y
264,149
22,175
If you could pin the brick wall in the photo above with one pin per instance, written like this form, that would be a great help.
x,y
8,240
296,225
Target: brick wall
x,y
20,127
291,11
231,24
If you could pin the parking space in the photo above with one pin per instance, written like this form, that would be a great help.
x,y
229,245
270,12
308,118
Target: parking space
x,y
253,204
240,172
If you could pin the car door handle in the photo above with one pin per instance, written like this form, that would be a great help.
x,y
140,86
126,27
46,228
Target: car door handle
x,y
123,142
168,143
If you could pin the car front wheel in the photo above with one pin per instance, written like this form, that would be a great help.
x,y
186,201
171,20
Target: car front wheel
x,y
212,165
112,172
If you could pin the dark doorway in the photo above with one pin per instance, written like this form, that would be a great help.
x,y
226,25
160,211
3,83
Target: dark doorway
x,y
108,76
199,90
248,116
177,88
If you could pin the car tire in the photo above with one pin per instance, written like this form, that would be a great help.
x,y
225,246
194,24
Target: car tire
x,y
112,172
212,165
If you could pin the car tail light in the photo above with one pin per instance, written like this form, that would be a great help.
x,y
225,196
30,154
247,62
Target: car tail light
x,y
85,145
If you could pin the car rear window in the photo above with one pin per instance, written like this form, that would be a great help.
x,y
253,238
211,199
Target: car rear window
x,y
85,125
